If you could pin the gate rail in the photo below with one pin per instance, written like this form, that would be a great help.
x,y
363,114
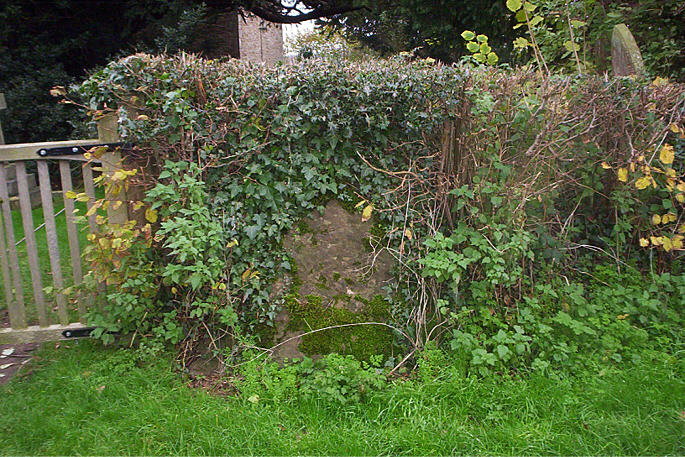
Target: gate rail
x,y
22,330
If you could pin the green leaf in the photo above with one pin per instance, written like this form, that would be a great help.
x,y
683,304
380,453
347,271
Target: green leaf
x,y
492,58
479,57
468,35
482,38
472,46
521,15
513,5
521,43
571,46
529,7
535,21
485,49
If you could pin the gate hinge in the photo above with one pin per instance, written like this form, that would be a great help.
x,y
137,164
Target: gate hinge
x,y
71,150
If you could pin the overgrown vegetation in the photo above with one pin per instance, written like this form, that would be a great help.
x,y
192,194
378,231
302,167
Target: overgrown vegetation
x,y
526,214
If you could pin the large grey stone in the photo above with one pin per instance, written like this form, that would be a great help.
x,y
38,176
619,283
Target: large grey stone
x,y
625,54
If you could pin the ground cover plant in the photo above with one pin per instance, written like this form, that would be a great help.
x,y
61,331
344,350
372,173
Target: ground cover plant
x,y
84,398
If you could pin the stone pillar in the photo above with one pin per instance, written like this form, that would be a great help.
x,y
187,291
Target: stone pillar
x,y
625,54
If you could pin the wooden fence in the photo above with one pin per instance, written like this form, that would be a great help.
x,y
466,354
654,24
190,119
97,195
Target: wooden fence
x,y
34,319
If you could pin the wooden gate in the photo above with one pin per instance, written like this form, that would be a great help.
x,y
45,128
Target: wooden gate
x,y
30,261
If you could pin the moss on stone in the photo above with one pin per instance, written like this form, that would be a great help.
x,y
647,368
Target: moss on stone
x,y
308,313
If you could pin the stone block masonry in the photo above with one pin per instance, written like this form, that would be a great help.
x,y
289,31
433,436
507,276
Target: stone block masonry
x,y
260,41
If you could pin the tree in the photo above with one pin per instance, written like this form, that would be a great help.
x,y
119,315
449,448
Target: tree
x,y
55,42
434,27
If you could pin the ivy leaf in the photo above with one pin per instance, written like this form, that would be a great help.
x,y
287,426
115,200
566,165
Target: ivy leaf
x,y
514,5
252,231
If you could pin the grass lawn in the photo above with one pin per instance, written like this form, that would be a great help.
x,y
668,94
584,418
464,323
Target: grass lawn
x,y
85,399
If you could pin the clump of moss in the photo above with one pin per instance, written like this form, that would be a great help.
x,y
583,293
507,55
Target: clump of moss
x,y
363,341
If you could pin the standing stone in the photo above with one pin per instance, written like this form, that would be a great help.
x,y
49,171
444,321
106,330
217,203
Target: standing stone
x,y
625,55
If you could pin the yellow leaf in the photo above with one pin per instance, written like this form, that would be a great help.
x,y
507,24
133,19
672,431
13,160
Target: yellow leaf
x,y
231,244
656,241
174,290
670,172
670,184
644,242
678,242
82,197
246,274
676,129
659,81
681,228
366,214
70,194
151,215
622,174
620,317
666,155
92,210
680,198
642,183
667,245
142,117
680,186
656,219
641,157
606,166
632,167
137,206
666,218
359,204
408,234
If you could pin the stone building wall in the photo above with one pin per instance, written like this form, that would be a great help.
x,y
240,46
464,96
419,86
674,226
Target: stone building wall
x,y
260,41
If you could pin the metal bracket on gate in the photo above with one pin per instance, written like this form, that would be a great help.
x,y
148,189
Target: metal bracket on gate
x,y
71,150
78,332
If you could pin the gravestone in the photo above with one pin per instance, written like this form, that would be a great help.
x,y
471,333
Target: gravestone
x,y
625,55
335,268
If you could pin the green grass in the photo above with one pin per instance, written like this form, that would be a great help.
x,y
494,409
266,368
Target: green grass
x,y
62,409
43,256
